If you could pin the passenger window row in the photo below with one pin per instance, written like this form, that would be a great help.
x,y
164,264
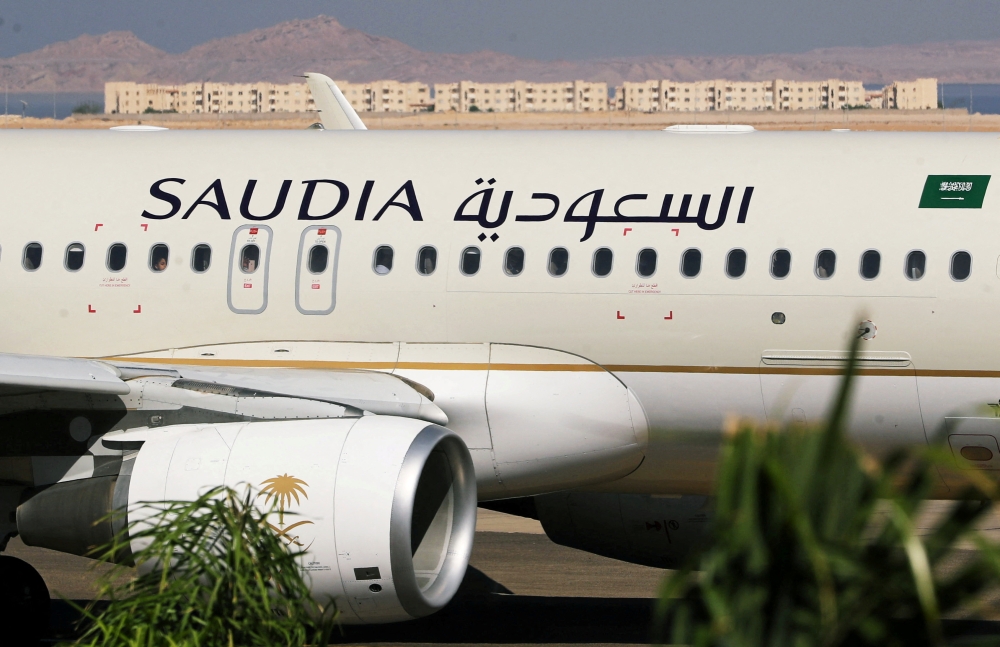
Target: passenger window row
x,y
825,266
117,256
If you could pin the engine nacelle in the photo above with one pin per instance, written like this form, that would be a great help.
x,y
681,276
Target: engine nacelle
x,y
636,528
384,507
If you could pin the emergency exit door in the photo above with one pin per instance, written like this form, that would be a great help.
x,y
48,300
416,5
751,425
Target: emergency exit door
x,y
248,269
316,276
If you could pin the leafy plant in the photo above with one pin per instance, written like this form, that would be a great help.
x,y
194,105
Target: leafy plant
x,y
814,543
88,108
219,576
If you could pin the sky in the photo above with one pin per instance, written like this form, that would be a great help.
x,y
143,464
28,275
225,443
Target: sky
x,y
542,29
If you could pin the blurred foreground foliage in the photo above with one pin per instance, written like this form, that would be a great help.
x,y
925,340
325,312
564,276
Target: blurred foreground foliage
x,y
815,543
222,577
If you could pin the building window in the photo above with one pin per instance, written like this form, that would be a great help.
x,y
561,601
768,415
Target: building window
x,y
117,256
826,264
201,258
558,261
603,260
736,263
382,260
427,260
781,263
645,263
470,261
961,266
513,261
871,263
691,263
74,257
916,261
159,254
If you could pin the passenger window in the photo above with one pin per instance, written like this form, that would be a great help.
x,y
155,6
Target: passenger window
x,y
382,260
736,263
471,258
117,255
201,258
603,260
645,263
871,263
961,266
781,263
318,257
826,264
74,257
32,259
513,261
915,263
427,259
558,261
158,257
691,263
249,259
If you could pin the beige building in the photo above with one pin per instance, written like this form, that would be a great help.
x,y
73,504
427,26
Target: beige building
x,y
380,96
521,96
921,94
720,94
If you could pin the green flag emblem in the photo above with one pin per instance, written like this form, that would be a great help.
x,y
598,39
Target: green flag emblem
x,y
954,192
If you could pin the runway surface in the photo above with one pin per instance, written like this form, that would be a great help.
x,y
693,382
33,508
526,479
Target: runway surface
x,y
520,589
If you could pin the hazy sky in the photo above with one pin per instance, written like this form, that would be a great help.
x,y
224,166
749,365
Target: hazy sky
x,y
545,29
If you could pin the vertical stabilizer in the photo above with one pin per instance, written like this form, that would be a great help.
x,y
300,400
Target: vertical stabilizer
x,y
335,111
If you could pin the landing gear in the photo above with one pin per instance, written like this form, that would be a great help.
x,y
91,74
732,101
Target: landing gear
x,y
24,603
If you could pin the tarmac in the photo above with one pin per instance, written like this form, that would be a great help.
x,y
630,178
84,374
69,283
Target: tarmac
x,y
520,589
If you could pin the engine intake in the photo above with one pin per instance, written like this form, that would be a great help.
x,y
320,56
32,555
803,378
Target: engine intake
x,y
384,507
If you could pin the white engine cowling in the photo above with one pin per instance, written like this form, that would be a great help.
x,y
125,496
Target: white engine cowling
x,y
384,507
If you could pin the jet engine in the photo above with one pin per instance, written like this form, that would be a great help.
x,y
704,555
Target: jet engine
x,y
384,507
637,528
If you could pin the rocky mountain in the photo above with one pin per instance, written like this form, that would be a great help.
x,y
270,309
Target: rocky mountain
x,y
322,44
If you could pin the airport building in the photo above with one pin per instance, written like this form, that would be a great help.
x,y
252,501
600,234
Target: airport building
x,y
701,96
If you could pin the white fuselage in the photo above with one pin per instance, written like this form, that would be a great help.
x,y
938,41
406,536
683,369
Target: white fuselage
x,y
698,353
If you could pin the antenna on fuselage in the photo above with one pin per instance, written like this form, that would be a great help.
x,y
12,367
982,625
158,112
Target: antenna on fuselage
x,y
335,111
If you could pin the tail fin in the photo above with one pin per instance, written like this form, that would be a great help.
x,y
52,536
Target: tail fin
x,y
335,111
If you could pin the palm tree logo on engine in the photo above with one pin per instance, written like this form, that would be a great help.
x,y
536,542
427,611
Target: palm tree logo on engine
x,y
283,489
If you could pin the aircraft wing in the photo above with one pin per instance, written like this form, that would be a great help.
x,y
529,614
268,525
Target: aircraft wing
x,y
60,374
335,111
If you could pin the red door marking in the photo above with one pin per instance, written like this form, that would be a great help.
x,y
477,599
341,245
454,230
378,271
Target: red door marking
x,y
253,230
90,308
627,229
670,316
98,226
321,232
620,315
145,226
138,309
677,232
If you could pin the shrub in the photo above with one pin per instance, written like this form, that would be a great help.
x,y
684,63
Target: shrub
x,y
220,576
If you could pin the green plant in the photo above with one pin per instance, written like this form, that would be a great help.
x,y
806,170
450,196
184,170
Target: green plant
x,y
153,111
219,576
474,108
88,108
814,543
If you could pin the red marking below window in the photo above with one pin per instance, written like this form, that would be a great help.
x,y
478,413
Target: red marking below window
x,y
620,315
315,286
677,232
321,232
138,309
90,308
627,229
98,226
670,316
248,285
253,230
145,226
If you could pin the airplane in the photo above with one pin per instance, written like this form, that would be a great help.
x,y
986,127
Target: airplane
x,y
384,330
